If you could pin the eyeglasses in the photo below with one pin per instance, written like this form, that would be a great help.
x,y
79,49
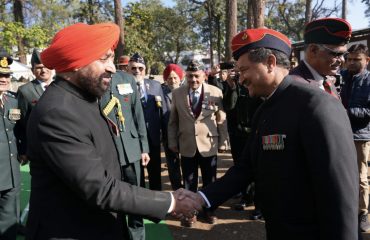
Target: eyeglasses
x,y
333,53
4,75
140,68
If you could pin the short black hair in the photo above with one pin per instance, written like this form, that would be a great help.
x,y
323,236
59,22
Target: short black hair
x,y
359,48
261,54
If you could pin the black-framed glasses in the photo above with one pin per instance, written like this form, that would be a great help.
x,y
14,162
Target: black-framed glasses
x,y
140,68
333,53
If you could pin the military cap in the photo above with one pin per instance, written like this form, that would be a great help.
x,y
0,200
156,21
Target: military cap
x,y
5,61
137,58
123,60
259,38
35,58
334,31
195,65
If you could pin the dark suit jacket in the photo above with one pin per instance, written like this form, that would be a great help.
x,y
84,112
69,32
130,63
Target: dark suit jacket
x,y
303,161
28,95
76,187
154,119
132,138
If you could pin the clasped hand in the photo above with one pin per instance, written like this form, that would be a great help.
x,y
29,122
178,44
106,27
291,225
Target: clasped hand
x,y
187,204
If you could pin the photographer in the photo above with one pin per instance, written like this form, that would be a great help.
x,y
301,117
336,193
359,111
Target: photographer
x,y
217,77
239,108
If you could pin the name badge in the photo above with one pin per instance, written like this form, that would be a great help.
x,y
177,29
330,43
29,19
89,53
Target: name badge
x,y
124,89
273,142
14,114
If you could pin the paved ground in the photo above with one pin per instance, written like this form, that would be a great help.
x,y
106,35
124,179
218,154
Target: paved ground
x,y
231,224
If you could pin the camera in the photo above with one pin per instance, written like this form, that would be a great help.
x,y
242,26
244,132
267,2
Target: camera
x,y
227,65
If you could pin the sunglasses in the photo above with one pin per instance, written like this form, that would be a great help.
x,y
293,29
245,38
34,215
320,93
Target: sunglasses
x,y
140,68
333,53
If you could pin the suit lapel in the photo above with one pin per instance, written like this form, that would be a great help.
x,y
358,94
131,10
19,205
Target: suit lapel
x,y
38,88
204,112
185,98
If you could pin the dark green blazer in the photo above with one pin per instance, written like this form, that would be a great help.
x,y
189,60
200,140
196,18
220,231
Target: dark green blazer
x,y
132,137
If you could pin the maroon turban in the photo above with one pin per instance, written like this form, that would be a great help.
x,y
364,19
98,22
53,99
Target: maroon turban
x,y
79,45
173,67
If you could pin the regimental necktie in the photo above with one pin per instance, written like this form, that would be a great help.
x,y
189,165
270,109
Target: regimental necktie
x,y
1,102
194,100
329,87
141,93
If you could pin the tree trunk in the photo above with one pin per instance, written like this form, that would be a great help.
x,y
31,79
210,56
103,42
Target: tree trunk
x,y
259,13
118,16
231,26
250,18
218,23
210,29
19,17
308,13
344,9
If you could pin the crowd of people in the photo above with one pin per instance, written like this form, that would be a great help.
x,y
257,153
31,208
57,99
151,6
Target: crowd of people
x,y
300,147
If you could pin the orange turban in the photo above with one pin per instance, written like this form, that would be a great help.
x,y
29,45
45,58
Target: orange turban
x,y
173,67
79,45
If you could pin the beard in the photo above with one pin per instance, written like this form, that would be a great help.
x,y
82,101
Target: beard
x,y
94,85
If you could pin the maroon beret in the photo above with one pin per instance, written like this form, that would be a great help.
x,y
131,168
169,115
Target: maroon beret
x,y
259,38
336,31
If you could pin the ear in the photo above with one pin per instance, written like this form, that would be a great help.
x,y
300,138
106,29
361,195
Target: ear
x,y
271,62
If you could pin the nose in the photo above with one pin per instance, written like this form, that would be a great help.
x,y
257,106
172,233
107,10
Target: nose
x,y
111,67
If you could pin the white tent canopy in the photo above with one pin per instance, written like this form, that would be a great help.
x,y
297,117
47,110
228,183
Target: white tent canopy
x,y
21,70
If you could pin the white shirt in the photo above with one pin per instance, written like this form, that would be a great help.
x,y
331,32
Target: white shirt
x,y
43,84
317,77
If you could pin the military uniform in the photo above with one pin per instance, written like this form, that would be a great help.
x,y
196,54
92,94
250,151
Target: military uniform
x,y
130,138
9,166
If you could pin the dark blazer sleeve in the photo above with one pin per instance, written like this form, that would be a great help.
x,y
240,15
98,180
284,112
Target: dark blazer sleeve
x,y
74,159
331,161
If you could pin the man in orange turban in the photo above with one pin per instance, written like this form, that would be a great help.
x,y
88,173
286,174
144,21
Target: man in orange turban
x,y
77,187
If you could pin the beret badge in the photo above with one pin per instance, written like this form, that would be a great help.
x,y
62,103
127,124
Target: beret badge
x,y
244,37
4,62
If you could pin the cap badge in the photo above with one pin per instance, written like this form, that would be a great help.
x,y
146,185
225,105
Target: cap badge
x,y
4,62
245,36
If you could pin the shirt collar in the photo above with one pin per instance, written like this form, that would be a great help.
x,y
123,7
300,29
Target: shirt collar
x,y
314,73
199,89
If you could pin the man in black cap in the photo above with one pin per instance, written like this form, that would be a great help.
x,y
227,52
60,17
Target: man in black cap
x,y
197,130
30,93
10,136
151,97
325,46
301,158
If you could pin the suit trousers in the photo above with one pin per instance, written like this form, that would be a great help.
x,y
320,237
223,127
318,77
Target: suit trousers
x,y
208,168
154,166
132,175
173,166
362,149
9,213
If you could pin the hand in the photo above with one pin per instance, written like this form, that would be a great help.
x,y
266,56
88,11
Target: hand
x,y
145,159
174,149
23,160
187,204
231,79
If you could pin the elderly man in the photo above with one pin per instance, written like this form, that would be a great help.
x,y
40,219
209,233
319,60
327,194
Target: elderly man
x,y
301,158
76,186
197,130
172,77
325,46
356,99
10,132
151,96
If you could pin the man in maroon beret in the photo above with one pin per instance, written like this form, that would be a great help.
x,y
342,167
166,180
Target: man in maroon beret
x,y
77,188
325,46
302,159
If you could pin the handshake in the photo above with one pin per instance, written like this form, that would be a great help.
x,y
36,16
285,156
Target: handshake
x,y
187,204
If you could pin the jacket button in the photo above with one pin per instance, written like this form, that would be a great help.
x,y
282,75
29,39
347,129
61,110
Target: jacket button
x,y
10,141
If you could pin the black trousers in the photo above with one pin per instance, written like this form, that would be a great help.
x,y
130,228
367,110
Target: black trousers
x,y
154,167
132,175
173,167
9,213
208,168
